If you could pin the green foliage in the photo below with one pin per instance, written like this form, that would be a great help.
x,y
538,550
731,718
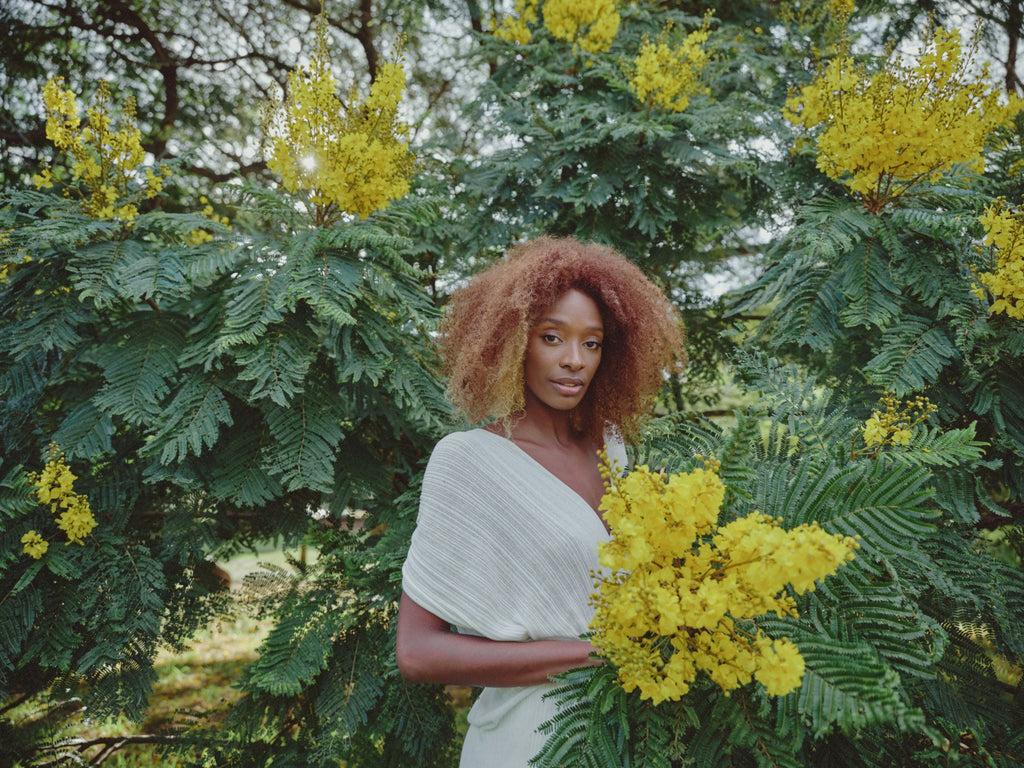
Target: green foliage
x,y
884,303
206,397
899,645
325,687
633,734
590,160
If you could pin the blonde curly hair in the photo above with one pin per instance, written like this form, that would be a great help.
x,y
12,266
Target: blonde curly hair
x,y
484,333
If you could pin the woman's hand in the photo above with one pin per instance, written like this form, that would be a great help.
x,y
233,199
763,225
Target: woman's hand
x,y
428,651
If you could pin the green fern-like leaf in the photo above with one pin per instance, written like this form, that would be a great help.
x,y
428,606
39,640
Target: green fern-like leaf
x,y
115,271
55,324
23,382
882,507
912,354
191,421
815,304
240,474
125,613
883,617
767,730
328,279
873,298
960,694
590,727
254,302
140,369
18,613
676,438
278,363
958,495
85,432
297,648
850,687
305,435
349,689
937,448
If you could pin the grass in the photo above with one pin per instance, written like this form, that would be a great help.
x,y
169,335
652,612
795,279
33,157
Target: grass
x,y
198,681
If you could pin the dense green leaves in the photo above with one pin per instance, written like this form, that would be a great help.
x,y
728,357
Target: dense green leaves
x,y
272,376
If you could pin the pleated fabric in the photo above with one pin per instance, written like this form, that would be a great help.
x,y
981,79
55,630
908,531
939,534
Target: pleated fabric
x,y
505,550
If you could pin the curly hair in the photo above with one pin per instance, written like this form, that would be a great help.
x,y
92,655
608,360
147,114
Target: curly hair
x,y
486,327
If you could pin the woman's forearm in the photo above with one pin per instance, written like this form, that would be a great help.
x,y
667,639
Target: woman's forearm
x,y
429,652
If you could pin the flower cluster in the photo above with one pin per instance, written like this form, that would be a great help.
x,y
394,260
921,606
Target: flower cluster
x,y
819,25
349,158
843,8
1004,238
895,425
198,236
105,161
679,594
35,545
54,486
588,24
666,76
515,28
11,256
908,123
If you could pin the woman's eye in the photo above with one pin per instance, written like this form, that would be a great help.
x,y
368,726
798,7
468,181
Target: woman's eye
x,y
550,338
592,344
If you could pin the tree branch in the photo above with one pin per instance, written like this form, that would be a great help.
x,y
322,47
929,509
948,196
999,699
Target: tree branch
x,y
166,65
110,744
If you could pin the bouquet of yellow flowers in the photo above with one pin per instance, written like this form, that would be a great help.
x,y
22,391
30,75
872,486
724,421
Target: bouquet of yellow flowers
x,y
679,595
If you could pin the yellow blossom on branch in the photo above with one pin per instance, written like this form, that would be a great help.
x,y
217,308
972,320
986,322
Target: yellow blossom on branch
x,y
588,24
679,593
666,76
105,161
515,27
35,545
842,8
199,236
346,158
55,487
895,425
882,133
1004,247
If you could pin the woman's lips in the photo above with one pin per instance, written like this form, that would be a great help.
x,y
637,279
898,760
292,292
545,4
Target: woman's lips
x,y
568,386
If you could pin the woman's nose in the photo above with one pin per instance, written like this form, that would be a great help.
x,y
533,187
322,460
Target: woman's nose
x,y
572,357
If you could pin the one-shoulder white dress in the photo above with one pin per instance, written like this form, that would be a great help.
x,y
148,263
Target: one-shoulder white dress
x,y
505,550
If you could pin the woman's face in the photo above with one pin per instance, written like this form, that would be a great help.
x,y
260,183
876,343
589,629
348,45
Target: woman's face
x,y
564,351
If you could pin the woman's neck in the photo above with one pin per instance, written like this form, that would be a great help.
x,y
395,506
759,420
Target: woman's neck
x,y
543,425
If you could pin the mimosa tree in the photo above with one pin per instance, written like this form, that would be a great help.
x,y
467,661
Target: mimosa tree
x,y
207,393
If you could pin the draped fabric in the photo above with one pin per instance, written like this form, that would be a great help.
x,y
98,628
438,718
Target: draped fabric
x,y
503,549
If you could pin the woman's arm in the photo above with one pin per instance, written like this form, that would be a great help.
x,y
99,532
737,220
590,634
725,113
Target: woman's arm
x,y
429,651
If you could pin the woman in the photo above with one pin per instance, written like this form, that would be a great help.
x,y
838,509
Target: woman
x,y
563,346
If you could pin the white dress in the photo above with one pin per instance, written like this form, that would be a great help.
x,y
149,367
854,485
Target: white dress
x,y
505,550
